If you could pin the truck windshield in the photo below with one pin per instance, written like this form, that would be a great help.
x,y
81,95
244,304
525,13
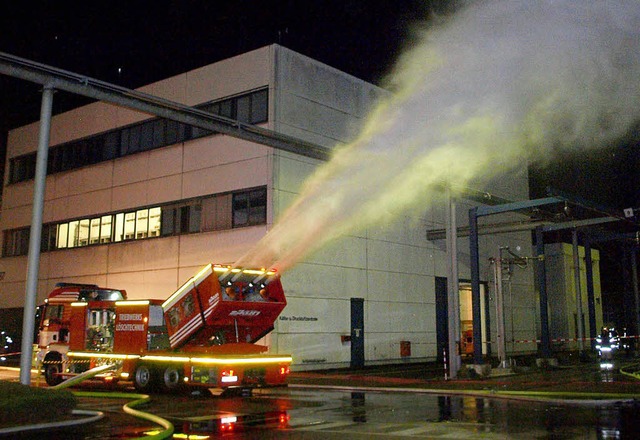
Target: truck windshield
x,y
100,295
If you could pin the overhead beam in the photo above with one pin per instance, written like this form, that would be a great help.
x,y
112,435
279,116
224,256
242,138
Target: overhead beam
x,y
494,228
517,206
579,223
92,88
584,203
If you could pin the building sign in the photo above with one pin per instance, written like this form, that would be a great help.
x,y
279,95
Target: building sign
x,y
298,318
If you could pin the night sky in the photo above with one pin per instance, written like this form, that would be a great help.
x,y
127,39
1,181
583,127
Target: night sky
x,y
132,43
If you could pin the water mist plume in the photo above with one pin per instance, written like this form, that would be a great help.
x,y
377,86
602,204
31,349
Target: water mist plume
x,y
499,83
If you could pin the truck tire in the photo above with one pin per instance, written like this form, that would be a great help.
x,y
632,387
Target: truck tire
x,y
144,378
172,378
52,368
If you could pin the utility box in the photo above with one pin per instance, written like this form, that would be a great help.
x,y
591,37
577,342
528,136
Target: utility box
x,y
405,348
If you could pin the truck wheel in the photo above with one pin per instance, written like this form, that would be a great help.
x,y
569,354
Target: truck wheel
x,y
143,378
172,378
52,368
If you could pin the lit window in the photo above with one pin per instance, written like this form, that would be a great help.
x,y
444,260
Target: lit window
x,y
94,233
129,225
118,234
74,230
63,231
105,228
154,222
142,223
83,233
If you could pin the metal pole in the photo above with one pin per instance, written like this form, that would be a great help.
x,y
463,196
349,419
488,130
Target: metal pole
x,y
33,265
576,273
474,254
453,293
444,357
588,265
545,343
500,330
634,279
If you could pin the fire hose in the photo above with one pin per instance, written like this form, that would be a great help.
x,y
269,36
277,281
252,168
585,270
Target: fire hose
x,y
97,415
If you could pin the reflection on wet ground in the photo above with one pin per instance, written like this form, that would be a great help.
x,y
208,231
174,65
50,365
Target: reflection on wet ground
x,y
307,413
355,414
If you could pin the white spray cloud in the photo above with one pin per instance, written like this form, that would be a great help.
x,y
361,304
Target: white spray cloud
x,y
499,83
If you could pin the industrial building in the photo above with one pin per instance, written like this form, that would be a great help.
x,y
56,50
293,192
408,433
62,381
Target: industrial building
x,y
141,203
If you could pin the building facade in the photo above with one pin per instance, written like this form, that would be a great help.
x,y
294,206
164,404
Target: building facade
x,y
141,203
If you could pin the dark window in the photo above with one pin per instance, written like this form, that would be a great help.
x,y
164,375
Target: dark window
x,y
159,133
250,208
53,311
48,237
130,140
259,107
244,109
94,152
146,136
226,108
16,242
184,219
53,159
168,221
197,132
174,132
111,145
81,156
195,211
22,168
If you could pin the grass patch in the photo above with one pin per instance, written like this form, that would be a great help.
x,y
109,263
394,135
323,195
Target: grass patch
x,y
20,404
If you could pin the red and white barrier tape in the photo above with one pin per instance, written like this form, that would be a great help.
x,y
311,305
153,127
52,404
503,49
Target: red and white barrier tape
x,y
525,341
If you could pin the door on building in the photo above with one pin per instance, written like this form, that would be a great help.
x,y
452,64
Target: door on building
x,y
466,318
357,332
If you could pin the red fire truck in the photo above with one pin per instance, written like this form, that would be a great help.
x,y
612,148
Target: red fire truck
x,y
203,335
